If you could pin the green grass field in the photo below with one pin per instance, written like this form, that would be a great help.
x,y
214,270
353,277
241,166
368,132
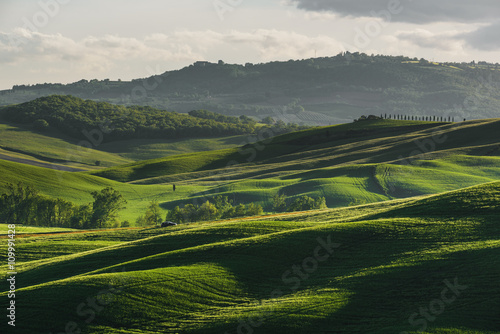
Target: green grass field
x,y
50,146
76,187
154,149
410,244
426,264
348,164
21,229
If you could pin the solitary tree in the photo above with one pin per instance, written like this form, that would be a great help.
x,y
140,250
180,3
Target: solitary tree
x,y
153,214
107,203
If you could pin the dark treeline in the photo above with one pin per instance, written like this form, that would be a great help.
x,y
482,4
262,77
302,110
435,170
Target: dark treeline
x,y
205,114
419,118
85,119
400,117
219,207
25,205
22,204
281,203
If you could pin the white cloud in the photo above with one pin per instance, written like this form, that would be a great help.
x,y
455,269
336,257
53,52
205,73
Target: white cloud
x,y
100,52
484,38
444,41
279,44
23,45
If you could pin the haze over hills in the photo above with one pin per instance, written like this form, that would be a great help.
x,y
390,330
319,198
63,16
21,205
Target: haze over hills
x,y
319,91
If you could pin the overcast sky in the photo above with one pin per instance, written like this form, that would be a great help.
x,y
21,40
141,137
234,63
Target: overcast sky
x,y
68,40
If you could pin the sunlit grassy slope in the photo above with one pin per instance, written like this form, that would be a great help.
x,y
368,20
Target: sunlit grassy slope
x,y
379,268
76,187
159,148
350,164
361,142
51,146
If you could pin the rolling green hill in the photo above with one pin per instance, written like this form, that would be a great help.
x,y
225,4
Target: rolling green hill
x,y
18,142
427,264
283,148
348,164
24,143
76,187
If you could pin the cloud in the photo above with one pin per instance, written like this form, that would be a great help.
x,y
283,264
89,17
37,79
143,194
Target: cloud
x,y
418,11
23,45
101,52
484,38
444,41
278,44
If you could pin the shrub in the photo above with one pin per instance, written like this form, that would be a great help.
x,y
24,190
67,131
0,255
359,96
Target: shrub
x,y
279,203
40,125
254,210
305,203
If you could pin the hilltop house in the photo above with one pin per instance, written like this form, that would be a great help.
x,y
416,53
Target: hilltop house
x,y
202,63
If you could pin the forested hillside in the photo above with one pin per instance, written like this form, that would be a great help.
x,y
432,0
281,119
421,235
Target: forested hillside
x,y
311,91
84,118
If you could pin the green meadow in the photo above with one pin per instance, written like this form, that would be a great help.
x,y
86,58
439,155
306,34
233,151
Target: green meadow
x,y
20,141
378,268
410,242
52,147
349,164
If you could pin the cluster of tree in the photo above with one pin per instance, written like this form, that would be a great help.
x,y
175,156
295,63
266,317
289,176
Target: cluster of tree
x,y
25,205
419,118
281,203
79,118
407,118
219,207
205,114
103,122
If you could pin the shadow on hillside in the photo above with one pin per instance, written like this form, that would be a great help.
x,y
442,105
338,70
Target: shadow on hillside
x,y
379,300
383,302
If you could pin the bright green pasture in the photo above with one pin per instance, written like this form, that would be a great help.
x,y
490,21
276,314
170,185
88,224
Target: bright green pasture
x,y
364,269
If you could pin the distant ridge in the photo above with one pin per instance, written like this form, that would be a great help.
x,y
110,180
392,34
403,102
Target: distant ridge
x,y
320,91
